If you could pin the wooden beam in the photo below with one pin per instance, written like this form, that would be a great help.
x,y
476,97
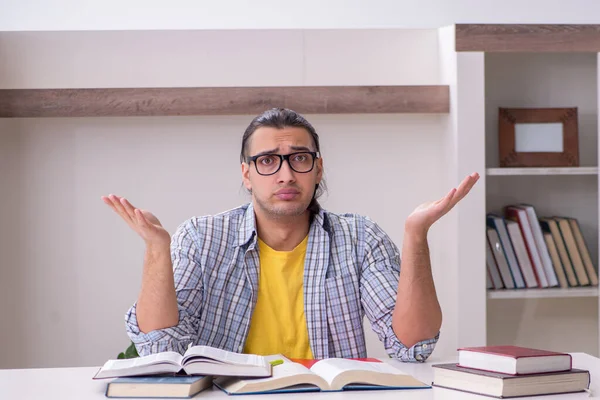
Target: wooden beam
x,y
121,102
528,38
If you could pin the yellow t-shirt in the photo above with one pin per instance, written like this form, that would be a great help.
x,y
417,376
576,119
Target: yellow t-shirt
x,y
278,324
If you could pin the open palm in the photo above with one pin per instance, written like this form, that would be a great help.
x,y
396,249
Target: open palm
x,y
426,214
144,223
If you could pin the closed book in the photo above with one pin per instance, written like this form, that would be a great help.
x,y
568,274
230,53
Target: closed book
x,y
536,229
495,384
500,258
550,225
571,245
174,386
492,266
498,223
513,360
558,267
514,231
519,215
584,251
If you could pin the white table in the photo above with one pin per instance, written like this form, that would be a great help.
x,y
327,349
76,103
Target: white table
x,y
77,384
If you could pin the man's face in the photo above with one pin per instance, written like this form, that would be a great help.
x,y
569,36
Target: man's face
x,y
286,192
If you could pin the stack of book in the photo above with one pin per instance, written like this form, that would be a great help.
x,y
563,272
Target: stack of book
x,y
526,251
172,375
511,371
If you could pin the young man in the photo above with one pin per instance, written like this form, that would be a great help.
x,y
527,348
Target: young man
x,y
281,274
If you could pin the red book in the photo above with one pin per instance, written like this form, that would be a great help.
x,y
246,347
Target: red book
x,y
513,360
309,363
520,216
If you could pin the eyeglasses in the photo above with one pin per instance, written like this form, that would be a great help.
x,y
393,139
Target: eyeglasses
x,y
269,164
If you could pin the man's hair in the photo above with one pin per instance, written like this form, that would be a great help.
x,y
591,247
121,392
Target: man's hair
x,y
281,118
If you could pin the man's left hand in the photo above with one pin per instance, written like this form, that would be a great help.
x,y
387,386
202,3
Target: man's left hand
x,y
421,219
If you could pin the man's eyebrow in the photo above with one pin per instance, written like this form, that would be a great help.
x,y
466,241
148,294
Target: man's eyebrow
x,y
274,151
303,148
262,153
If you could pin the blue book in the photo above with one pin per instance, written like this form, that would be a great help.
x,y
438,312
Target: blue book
x,y
498,223
158,386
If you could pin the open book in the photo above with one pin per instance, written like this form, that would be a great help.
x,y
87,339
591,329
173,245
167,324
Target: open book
x,y
197,360
332,374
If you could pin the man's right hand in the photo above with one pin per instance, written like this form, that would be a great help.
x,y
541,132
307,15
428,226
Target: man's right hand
x,y
143,222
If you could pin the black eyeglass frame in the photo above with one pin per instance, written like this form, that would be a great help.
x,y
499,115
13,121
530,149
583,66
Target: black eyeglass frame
x,y
285,157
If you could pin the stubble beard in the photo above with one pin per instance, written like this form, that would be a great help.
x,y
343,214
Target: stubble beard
x,y
287,209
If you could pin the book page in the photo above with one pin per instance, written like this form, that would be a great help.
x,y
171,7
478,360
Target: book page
x,y
286,374
288,368
213,354
330,368
168,357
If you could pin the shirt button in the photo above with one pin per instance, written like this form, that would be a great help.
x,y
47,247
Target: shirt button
x,y
419,357
425,346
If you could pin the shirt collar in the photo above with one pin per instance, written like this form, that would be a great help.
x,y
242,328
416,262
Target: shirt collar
x,y
247,229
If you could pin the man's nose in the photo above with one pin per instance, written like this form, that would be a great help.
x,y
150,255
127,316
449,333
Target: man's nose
x,y
286,173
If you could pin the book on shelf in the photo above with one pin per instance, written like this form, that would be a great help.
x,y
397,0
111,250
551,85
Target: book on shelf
x,y
332,374
540,244
572,250
584,251
197,360
497,223
178,386
503,270
519,215
516,237
550,225
492,267
557,264
489,283
527,251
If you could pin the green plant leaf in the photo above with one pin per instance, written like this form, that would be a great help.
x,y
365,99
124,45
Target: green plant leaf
x,y
131,351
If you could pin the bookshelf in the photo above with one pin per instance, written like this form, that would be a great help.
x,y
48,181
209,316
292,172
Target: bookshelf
x,y
129,102
529,66
542,293
531,79
542,171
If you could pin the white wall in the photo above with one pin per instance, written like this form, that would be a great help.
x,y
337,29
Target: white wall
x,y
463,275
74,267
217,58
67,15
71,268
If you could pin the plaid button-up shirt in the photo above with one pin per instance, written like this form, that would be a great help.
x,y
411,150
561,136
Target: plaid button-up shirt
x,y
351,270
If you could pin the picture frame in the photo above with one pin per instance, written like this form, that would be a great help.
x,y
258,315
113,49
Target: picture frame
x,y
538,137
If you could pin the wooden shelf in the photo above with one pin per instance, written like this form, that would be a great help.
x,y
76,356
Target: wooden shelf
x,y
121,102
542,171
542,293
528,37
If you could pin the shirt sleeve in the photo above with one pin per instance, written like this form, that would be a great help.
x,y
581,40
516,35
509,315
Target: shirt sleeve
x,y
379,285
188,287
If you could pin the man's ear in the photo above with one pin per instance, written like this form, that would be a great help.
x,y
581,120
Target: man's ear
x,y
319,170
246,176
